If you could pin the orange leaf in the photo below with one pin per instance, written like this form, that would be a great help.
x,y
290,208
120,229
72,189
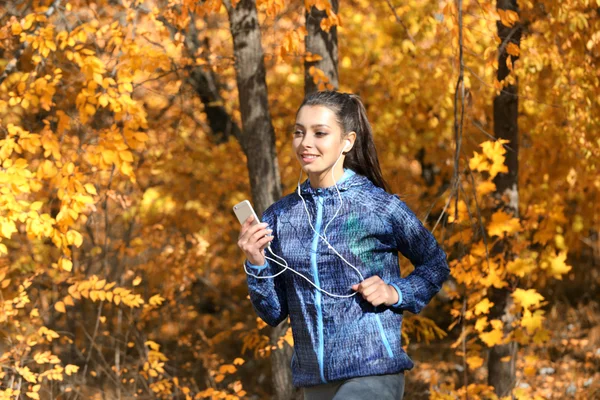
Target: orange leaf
x,y
60,307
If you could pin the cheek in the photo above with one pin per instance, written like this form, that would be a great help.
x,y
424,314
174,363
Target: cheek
x,y
330,148
295,143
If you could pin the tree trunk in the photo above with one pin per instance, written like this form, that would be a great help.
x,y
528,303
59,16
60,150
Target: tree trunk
x,y
206,85
221,124
258,143
258,135
322,43
501,373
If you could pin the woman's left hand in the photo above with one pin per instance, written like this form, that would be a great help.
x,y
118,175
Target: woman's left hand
x,y
376,291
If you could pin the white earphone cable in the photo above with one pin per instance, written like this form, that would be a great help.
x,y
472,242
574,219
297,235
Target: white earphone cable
x,y
322,237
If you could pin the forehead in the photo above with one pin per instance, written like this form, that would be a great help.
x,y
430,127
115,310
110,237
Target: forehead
x,y
316,115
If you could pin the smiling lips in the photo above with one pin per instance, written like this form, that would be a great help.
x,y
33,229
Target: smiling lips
x,y
308,158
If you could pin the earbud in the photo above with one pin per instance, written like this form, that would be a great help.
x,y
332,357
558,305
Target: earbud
x,y
348,144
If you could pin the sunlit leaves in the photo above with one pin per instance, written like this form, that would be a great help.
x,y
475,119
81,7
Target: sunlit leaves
x,y
60,307
508,17
527,298
495,336
491,159
71,369
26,373
555,265
483,307
503,223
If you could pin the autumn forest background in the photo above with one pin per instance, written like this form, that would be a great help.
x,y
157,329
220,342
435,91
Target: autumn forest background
x,y
129,129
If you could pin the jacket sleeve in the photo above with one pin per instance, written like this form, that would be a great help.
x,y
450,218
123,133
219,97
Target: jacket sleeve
x,y
419,245
268,296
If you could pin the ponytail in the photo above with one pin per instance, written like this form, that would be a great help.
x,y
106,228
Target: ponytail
x,y
352,116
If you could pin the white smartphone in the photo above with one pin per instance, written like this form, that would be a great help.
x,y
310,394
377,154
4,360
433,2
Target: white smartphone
x,y
243,210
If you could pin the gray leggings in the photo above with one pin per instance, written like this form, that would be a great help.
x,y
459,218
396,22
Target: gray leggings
x,y
380,387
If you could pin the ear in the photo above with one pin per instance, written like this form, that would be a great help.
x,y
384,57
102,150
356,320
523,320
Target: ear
x,y
350,139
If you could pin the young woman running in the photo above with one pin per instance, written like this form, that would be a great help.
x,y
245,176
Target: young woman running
x,y
335,273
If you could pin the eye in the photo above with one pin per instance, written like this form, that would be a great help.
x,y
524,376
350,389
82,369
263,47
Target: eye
x,y
321,133
298,132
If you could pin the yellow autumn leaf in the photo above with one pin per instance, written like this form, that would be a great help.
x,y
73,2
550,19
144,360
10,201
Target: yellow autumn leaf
x,y
137,281
36,205
238,361
493,277
109,156
227,369
483,307
126,156
152,344
494,152
556,266
474,362
16,29
496,324
311,57
26,373
65,264
156,300
513,49
7,227
503,223
527,298
491,338
74,238
521,266
71,369
60,307
532,321
541,336
481,324
508,17
68,300
485,188
90,188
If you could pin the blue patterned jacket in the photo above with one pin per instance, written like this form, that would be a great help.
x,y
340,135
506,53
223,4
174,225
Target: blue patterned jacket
x,y
341,338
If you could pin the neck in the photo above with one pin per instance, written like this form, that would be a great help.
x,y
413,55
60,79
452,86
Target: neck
x,y
323,179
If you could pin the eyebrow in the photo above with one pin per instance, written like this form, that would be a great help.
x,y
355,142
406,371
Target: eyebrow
x,y
314,126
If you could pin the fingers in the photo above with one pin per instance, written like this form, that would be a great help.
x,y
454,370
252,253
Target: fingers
x,y
369,285
373,289
262,243
247,230
253,238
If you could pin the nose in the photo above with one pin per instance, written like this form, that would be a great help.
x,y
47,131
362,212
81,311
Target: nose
x,y
306,142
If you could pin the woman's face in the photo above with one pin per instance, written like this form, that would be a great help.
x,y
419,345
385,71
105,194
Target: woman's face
x,y
318,140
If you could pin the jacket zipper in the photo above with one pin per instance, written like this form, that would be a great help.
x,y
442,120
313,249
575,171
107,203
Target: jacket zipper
x,y
386,343
313,259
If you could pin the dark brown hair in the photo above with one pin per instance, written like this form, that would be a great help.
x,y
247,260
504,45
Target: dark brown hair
x,y
351,115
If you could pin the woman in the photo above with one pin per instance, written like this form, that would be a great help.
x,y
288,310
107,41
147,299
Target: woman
x,y
339,235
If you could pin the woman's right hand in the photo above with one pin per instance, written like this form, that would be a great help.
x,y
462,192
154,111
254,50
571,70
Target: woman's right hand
x,y
253,239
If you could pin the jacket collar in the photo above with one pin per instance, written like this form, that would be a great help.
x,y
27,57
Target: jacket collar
x,y
348,180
